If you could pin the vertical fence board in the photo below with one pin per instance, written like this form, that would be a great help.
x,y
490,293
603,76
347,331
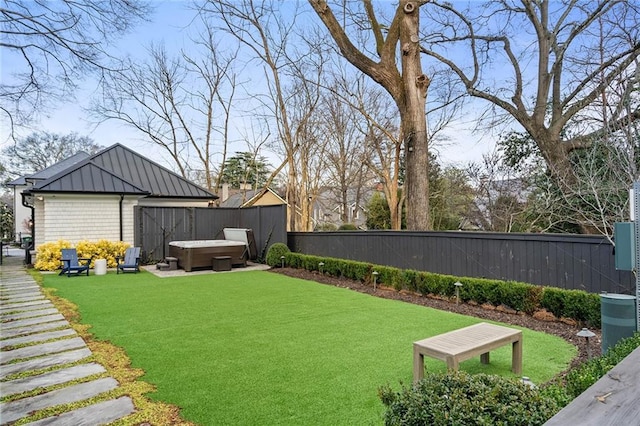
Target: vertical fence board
x,y
566,261
156,227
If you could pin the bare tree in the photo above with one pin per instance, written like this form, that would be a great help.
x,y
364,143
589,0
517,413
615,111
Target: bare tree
x,y
48,47
347,155
182,104
396,40
290,77
40,150
382,138
500,196
542,63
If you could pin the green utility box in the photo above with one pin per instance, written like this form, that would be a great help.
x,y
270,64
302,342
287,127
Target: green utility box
x,y
624,235
618,315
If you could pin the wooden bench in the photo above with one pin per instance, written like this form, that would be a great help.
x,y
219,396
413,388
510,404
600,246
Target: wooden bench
x,y
459,345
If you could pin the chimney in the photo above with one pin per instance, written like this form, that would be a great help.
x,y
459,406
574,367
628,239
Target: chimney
x,y
225,192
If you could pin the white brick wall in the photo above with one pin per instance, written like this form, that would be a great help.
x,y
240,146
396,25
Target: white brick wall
x,y
38,215
74,218
90,217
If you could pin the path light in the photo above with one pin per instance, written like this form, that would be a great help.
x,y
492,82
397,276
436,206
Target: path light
x,y
587,334
375,279
282,260
458,284
528,382
320,265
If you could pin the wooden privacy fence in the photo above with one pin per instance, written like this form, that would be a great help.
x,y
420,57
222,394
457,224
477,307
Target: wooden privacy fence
x,y
581,262
155,227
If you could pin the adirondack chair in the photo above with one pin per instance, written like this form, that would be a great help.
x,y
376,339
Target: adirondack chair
x,y
72,264
131,261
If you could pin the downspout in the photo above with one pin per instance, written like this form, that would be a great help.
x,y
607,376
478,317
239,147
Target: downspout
x,y
27,250
121,218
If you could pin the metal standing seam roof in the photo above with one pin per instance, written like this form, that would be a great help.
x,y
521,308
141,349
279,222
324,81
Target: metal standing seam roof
x,y
118,169
89,178
52,170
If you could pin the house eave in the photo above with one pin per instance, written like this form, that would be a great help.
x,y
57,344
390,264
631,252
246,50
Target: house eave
x,y
35,191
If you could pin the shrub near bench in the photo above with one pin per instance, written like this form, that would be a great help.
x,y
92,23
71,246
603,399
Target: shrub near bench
x,y
578,305
462,398
459,398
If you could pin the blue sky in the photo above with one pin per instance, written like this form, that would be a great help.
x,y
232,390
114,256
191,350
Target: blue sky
x,y
169,25
166,25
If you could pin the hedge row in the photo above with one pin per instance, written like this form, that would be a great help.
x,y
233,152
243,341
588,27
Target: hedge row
x,y
522,297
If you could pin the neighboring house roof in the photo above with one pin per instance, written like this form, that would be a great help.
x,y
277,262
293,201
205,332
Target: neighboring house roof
x,y
246,198
51,170
118,169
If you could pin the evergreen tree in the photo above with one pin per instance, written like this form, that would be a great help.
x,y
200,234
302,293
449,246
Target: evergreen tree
x,y
245,168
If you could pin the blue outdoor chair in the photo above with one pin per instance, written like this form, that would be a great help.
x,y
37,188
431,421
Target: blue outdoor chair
x,y
71,264
131,261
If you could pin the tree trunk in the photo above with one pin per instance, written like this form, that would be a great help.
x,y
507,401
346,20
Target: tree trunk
x,y
291,198
407,87
414,120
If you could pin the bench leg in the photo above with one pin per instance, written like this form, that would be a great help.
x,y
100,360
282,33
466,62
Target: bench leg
x,y
453,363
484,358
418,365
516,357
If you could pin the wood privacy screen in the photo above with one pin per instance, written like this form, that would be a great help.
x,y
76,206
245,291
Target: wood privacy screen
x,y
581,262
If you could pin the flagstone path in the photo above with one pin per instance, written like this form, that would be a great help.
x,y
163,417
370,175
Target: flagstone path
x,y
39,351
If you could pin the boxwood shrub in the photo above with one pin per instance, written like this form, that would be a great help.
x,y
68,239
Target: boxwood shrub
x,y
458,398
275,253
580,378
463,399
522,297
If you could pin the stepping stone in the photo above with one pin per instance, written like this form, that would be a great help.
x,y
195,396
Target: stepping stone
x,y
26,308
8,298
27,288
18,290
29,314
31,321
30,329
38,337
16,281
45,361
15,306
42,349
96,414
33,298
13,387
15,410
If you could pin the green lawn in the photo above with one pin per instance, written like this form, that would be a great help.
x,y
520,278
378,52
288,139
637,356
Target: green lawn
x,y
261,348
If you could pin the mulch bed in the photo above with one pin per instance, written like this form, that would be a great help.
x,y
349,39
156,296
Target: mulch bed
x,y
541,321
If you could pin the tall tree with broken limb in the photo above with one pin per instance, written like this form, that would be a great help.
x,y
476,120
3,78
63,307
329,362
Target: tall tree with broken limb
x,y
405,82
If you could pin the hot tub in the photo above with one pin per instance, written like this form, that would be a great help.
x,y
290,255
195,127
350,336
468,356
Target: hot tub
x,y
199,254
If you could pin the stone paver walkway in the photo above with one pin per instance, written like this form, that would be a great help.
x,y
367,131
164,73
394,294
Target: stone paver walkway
x,y
35,336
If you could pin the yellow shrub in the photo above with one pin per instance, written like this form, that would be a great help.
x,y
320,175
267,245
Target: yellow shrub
x,y
48,258
48,255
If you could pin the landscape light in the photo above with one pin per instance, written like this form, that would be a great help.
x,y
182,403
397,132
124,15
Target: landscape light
x,y
587,334
458,284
